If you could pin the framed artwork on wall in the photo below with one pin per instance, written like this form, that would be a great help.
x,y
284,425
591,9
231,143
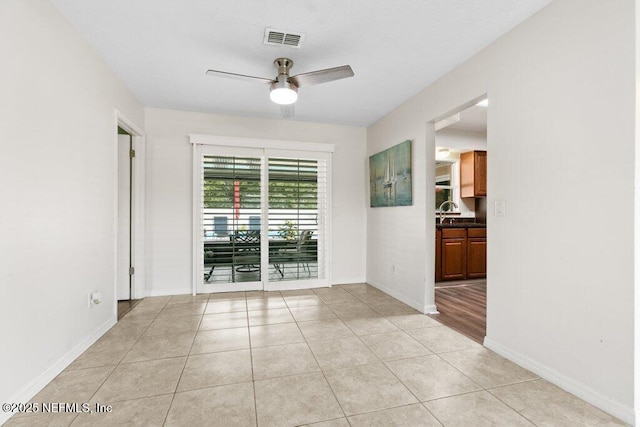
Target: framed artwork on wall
x,y
390,176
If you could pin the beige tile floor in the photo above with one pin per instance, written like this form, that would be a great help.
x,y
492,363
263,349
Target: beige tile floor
x,y
347,355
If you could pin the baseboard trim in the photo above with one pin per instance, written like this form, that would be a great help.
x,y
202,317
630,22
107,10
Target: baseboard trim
x,y
35,386
347,281
294,287
168,292
431,309
582,391
418,306
285,286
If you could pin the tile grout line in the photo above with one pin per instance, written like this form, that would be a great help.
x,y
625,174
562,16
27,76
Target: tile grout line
x,y
383,364
509,406
457,369
389,369
306,341
253,377
378,314
380,361
186,360
125,355
476,382
423,403
399,380
482,388
322,372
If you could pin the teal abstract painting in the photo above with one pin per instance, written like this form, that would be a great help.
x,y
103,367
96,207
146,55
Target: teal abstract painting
x,y
390,176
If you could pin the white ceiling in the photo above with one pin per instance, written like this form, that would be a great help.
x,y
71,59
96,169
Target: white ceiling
x,y
162,48
473,118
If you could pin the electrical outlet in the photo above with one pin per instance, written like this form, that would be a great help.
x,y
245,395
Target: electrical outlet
x,y
95,298
393,268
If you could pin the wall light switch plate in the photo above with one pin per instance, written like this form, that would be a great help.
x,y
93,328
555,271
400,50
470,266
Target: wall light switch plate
x,y
499,208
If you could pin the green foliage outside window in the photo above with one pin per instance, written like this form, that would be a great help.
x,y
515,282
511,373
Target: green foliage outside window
x,y
219,194
288,231
442,195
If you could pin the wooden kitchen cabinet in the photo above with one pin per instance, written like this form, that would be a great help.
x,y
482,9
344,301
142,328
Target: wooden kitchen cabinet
x,y
461,253
473,174
476,253
454,254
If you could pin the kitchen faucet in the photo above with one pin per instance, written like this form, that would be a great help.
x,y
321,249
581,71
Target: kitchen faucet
x,y
441,208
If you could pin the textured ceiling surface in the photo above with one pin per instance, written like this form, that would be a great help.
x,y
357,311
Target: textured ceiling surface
x,y
161,49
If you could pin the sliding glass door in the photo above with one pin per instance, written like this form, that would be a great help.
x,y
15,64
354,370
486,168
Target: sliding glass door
x,y
230,212
297,213
262,220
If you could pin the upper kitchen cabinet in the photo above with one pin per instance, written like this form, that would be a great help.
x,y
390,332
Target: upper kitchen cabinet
x,y
473,174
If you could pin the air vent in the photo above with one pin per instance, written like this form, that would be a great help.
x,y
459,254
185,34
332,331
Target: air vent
x,y
282,38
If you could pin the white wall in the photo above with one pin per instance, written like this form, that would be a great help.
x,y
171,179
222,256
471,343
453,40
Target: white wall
x,y
560,283
57,175
169,180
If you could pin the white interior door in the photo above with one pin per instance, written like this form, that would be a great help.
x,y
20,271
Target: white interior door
x,y
124,217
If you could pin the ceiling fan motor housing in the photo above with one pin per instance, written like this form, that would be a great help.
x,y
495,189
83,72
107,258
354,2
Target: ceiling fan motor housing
x,y
283,91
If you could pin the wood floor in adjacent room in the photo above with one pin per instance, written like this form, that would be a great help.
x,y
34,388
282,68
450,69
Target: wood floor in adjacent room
x,y
463,306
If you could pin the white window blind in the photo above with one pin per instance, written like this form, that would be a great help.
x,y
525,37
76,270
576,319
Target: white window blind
x,y
261,218
231,222
297,212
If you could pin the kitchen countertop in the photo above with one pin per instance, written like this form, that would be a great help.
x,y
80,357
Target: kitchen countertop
x,y
462,225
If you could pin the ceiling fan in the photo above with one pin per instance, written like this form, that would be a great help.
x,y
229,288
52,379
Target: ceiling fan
x,y
284,88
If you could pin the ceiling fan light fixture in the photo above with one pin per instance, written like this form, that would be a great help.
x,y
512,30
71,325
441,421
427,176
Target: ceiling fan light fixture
x,y
283,93
442,153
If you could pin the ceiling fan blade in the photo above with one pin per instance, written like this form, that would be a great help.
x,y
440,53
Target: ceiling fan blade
x,y
287,111
322,76
235,76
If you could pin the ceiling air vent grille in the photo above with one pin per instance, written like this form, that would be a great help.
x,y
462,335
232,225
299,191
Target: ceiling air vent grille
x,y
282,38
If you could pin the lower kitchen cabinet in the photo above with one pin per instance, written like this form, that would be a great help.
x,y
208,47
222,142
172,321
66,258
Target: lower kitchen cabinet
x,y
461,253
476,253
454,254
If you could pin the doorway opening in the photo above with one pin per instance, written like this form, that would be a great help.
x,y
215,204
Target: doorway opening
x,y
461,220
125,269
128,215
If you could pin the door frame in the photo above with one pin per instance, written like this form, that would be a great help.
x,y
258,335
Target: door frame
x,y
138,284
430,137
198,140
